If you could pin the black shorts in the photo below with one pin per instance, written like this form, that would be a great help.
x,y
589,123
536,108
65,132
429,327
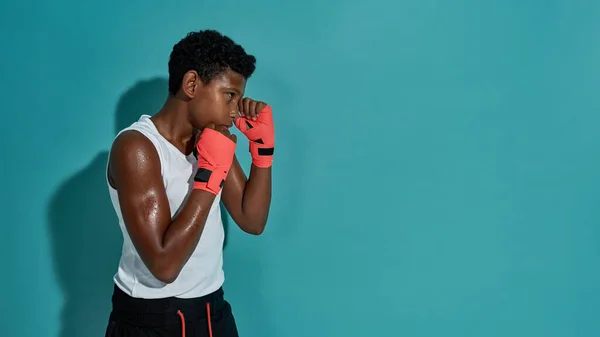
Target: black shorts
x,y
207,316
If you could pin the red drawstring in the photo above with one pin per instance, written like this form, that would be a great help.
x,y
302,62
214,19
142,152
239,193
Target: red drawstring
x,y
182,322
208,318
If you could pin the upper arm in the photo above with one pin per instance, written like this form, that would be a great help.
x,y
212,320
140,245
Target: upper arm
x,y
136,172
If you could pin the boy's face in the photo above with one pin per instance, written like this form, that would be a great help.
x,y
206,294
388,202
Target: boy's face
x,y
217,102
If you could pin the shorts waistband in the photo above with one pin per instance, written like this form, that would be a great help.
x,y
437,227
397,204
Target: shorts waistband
x,y
164,311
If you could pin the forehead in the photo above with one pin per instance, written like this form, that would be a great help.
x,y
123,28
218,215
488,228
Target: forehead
x,y
230,79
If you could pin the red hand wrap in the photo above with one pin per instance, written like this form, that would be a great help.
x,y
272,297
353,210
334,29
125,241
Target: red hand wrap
x,y
261,134
215,156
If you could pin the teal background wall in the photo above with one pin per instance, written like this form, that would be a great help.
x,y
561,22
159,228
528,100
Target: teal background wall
x,y
437,171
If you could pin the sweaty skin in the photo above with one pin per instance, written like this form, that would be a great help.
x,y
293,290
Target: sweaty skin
x,y
165,244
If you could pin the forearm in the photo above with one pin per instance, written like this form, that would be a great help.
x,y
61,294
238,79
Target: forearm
x,y
183,234
257,198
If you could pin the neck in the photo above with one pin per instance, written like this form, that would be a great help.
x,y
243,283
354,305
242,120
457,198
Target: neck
x,y
173,123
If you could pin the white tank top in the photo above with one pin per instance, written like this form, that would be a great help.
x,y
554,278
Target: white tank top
x,y
203,272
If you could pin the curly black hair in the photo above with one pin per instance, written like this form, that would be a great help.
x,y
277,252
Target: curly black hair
x,y
210,53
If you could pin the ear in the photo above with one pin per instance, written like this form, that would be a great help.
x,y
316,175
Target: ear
x,y
190,84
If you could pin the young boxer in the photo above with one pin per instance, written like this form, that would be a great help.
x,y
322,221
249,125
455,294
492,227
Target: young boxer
x,y
167,174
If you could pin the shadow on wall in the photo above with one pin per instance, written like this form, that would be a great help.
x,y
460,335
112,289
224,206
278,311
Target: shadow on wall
x,y
86,239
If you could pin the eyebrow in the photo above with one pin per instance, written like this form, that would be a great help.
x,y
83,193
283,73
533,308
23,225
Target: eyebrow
x,y
234,89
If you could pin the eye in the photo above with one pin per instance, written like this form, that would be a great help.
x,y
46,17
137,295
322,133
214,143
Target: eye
x,y
231,95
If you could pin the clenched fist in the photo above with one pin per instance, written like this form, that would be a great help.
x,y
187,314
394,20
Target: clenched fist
x,y
256,123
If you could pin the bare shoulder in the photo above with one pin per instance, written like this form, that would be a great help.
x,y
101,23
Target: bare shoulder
x,y
132,156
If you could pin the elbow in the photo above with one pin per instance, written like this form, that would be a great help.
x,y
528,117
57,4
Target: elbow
x,y
251,224
256,231
165,272
255,228
166,277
